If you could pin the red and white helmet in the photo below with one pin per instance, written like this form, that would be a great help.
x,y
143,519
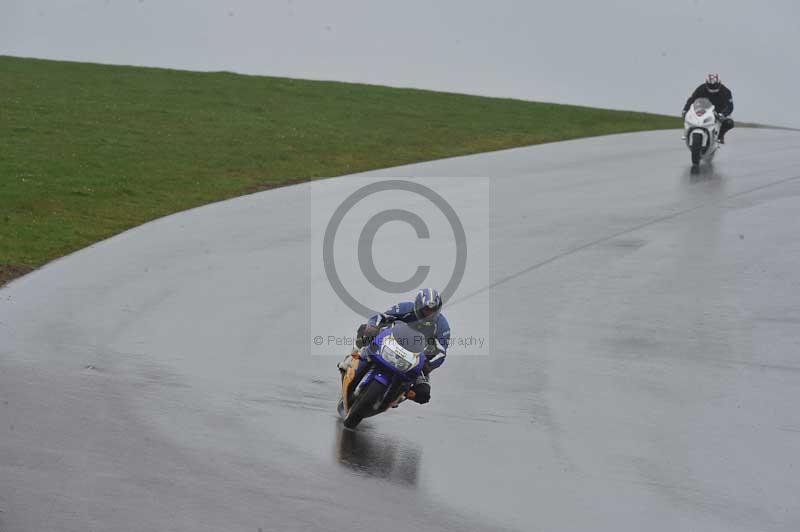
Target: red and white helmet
x,y
712,82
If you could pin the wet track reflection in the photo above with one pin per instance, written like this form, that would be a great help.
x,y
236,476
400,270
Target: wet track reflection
x,y
703,172
376,455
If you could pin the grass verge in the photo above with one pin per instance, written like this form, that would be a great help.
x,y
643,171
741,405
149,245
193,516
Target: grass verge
x,y
87,150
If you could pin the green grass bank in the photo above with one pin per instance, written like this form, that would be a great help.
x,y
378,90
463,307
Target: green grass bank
x,y
87,150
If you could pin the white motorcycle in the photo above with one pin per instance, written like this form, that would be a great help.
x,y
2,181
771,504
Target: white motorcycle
x,y
701,131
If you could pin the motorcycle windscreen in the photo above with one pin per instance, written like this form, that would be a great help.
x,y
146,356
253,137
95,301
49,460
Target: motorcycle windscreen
x,y
408,337
701,106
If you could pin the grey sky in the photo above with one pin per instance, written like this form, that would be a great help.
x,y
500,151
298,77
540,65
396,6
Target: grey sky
x,y
628,54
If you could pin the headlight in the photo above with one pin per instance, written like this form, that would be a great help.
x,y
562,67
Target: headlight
x,y
398,356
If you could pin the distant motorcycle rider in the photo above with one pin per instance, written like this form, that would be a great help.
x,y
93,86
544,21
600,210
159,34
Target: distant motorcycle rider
x,y
424,315
720,96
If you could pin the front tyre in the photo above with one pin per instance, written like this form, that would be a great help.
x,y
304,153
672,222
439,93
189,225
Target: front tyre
x,y
364,403
696,147
696,156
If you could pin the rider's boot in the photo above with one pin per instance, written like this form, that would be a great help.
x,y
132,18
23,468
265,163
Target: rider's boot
x,y
420,392
727,125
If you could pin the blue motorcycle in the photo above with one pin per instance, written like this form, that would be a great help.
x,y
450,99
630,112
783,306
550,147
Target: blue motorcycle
x,y
394,361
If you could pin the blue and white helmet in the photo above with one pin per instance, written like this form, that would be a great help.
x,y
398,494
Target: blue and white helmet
x,y
427,304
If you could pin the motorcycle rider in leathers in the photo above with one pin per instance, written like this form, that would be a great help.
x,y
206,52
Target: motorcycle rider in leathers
x,y
720,96
424,315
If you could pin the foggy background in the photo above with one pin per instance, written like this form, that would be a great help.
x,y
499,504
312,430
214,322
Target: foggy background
x,y
626,54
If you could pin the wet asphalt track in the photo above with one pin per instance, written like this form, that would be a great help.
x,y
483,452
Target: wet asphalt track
x,y
645,372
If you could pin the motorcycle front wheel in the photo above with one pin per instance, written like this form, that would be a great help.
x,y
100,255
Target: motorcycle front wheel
x,y
696,156
696,147
364,404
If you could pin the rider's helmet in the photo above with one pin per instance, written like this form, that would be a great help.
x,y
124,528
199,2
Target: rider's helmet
x,y
712,83
427,304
